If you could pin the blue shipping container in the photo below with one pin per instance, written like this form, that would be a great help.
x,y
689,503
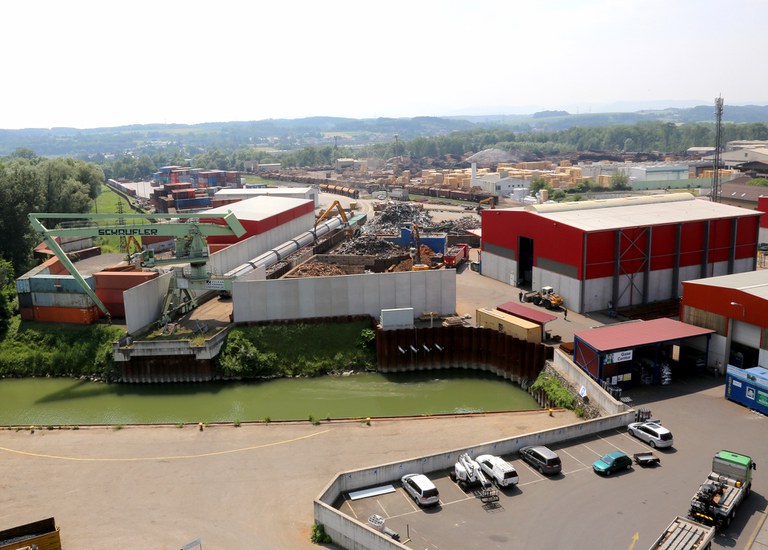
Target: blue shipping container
x,y
748,387
58,283
62,299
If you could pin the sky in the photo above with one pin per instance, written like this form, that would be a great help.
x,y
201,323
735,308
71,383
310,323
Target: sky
x,y
88,64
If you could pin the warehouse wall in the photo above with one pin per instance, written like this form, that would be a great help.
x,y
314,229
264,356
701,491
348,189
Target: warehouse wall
x,y
224,260
364,294
144,303
496,267
598,292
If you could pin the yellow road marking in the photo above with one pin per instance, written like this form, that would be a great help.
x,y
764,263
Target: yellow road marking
x,y
178,457
755,531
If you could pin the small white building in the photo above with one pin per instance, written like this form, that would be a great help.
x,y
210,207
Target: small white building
x,y
288,192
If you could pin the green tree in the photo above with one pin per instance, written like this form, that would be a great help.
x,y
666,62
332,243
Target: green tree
x,y
620,182
7,294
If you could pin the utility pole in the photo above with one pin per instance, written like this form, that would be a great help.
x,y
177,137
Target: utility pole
x,y
715,193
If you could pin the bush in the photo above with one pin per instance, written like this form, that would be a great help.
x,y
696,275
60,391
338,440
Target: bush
x,y
556,392
296,350
38,349
319,536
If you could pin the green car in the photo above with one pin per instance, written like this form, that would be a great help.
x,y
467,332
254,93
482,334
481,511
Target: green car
x,y
612,462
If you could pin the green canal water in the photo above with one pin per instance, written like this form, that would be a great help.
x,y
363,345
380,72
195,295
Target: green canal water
x,y
60,401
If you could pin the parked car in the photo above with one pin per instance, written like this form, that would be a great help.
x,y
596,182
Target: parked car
x,y
421,489
499,470
652,432
543,459
612,462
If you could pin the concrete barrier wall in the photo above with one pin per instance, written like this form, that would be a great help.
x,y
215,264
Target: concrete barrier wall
x,y
353,534
344,295
229,258
144,303
563,364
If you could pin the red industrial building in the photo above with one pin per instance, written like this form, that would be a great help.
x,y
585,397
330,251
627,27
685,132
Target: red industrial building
x,y
262,214
736,308
616,253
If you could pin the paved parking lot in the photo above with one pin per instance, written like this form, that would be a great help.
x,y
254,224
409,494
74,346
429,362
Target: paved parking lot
x,y
578,508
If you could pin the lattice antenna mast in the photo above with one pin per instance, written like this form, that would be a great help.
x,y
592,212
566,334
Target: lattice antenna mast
x,y
715,196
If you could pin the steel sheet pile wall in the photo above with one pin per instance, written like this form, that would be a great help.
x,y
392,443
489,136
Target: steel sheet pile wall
x,y
144,303
344,295
224,260
462,347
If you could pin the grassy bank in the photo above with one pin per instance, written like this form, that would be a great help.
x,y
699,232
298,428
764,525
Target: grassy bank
x,y
298,349
40,349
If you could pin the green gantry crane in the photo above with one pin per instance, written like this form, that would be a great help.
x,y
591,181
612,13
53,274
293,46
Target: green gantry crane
x,y
191,248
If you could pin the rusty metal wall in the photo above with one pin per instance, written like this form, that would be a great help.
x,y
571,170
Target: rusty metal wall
x,y
460,347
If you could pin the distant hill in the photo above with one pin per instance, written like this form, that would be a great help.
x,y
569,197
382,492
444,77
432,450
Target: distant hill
x,y
290,134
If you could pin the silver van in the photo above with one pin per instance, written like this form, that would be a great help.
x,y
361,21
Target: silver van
x,y
543,459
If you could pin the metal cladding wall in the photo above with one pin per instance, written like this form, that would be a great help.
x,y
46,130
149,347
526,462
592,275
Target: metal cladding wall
x,y
502,230
344,295
463,347
224,260
626,266
257,227
144,303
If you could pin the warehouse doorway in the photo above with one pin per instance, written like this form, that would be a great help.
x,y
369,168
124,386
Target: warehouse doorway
x,y
524,262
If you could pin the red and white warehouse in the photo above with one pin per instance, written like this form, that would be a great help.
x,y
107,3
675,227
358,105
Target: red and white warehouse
x,y
618,252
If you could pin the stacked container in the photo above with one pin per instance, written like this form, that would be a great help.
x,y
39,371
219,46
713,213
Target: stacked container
x,y
111,284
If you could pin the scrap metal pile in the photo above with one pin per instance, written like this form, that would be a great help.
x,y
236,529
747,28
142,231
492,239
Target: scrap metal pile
x,y
317,269
396,215
370,245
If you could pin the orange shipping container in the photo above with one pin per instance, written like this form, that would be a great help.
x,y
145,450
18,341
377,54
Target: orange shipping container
x,y
27,313
66,315
122,280
110,295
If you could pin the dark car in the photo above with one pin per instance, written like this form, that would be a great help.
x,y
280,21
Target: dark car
x,y
612,462
542,458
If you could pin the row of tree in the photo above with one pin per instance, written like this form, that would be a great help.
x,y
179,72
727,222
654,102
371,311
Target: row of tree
x,y
640,137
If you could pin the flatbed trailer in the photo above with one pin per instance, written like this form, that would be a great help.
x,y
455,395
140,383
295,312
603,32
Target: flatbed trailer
x,y
685,534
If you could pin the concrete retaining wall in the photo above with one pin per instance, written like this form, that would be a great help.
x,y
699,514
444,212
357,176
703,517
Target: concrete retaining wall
x,y
596,394
353,534
344,295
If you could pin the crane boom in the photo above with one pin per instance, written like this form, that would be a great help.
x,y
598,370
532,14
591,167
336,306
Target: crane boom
x,y
193,232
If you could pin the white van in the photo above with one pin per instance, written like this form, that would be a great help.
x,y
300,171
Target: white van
x,y
499,470
421,489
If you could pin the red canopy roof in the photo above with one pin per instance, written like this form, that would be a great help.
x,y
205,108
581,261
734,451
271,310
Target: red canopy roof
x,y
640,333
527,313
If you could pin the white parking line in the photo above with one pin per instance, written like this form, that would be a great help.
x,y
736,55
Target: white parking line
x,y
611,444
351,509
573,457
410,501
591,449
386,514
533,471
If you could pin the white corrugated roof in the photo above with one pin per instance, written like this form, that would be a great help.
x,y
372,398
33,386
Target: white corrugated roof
x,y
616,214
259,208
751,282
256,191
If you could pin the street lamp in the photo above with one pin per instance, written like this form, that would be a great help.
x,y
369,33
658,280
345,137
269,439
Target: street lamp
x,y
743,309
